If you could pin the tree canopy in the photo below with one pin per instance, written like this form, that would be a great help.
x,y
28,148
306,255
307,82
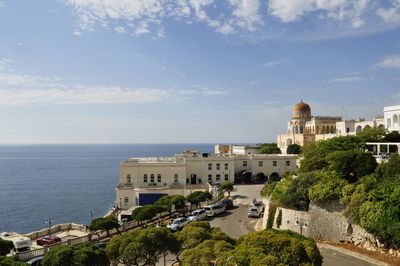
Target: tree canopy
x,y
293,149
269,148
145,213
143,247
227,186
5,247
198,196
81,255
166,202
104,224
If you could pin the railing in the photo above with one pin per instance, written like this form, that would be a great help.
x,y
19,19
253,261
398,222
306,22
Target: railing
x,y
131,225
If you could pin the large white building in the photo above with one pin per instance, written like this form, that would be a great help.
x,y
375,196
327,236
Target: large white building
x,y
144,180
304,128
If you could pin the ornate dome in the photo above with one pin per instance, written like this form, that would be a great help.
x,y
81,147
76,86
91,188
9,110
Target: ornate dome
x,y
301,110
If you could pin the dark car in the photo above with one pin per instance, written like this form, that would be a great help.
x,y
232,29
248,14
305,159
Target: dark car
x,y
48,240
227,203
35,261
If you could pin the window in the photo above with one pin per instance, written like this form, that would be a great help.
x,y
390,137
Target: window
x,y
218,166
126,201
145,178
159,178
226,166
260,163
209,178
226,177
209,166
128,178
287,163
152,178
218,177
176,178
244,163
274,163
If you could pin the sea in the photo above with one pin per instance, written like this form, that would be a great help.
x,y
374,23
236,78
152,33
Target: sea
x,y
64,183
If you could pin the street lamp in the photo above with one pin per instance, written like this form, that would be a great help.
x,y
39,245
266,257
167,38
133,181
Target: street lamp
x,y
91,215
49,222
302,224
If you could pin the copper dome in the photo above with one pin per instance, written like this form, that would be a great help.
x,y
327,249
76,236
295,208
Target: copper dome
x,y
301,110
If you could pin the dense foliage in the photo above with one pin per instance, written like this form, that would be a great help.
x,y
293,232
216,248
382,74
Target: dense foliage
x,y
168,201
270,247
5,247
145,213
81,255
11,261
269,148
293,149
227,187
342,169
198,196
104,224
143,247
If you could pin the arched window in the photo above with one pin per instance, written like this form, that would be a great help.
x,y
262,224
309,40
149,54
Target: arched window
x,y
358,129
145,178
389,123
176,178
332,129
301,130
126,201
323,130
395,121
128,178
159,178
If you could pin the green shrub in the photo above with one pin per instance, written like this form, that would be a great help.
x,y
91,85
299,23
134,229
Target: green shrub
x,y
271,214
328,188
279,219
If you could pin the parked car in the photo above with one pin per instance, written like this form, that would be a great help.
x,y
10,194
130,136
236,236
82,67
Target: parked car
x,y
48,240
198,215
35,261
254,212
227,203
178,223
101,244
213,210
259,205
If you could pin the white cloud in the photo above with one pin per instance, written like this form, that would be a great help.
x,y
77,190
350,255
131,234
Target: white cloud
x,y
288,11
346,79
390,14
98,95
120,29
275,63
147,16
392,61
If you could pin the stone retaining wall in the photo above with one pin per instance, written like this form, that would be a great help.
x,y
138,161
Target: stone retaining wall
x,y
326,222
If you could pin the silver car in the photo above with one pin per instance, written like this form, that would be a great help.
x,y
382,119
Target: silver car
x,y
198,215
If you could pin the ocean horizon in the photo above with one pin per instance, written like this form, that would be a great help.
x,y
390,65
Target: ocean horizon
x,y
66,181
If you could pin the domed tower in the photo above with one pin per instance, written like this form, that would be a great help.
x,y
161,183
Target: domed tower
x,y
300,115
301,111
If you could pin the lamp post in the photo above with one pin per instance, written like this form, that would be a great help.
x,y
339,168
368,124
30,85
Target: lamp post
x,y
91,215
49,222
301,223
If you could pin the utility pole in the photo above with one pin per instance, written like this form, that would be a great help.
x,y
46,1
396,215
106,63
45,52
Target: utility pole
x,y
301,223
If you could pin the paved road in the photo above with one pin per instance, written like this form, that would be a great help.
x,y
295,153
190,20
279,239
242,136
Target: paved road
x,y
235,223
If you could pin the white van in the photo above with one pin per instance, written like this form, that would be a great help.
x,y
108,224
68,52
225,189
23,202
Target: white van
x,y
213,210
20,242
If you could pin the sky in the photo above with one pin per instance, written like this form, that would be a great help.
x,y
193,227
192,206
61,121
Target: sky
x,y
190,71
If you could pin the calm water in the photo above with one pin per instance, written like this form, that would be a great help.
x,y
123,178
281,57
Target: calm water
x,y
65,181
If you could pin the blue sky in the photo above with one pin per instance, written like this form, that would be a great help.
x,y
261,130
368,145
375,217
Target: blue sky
x,y
184,71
